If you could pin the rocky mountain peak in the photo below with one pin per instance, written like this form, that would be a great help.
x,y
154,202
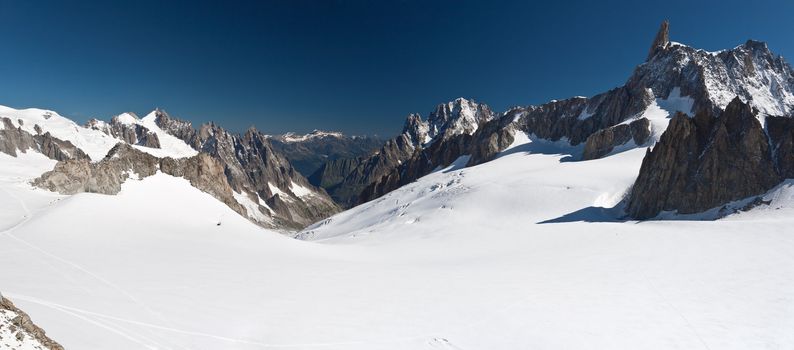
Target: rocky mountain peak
x,y
460,116
251,132
704,161
416,129
756,45
661,40
128,128
712,79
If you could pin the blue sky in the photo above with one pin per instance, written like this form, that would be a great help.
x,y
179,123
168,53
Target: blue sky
x,y
355,66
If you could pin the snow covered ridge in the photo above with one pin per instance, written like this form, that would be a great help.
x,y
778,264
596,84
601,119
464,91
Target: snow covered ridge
x,y
94,143
97,137
751,71
293,137
166,146
177,144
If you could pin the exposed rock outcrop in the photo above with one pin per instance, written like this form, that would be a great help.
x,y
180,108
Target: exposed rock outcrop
x,y
493,137
781,137
602,142
368,170
416,129
661,40
205,173
20,326
124,128
252,165
457,117
14,140
124,162
704,162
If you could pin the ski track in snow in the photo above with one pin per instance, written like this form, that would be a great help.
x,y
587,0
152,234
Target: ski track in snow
x,y
28,216
77,312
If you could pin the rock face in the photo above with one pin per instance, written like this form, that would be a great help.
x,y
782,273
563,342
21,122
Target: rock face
x,y
493,137
781,137
456,117
345,179
449,123
17,324
712,79
307,153
14,140
661,40
704,162
602,142
252,166
124,162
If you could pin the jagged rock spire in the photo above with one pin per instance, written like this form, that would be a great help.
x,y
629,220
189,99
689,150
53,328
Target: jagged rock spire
x,y
661,40
416,129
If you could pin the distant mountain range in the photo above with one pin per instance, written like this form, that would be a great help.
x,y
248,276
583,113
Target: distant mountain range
x,y
740,99
307,153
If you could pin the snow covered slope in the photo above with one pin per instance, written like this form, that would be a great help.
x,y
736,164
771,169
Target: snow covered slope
x,y
516,253
170,146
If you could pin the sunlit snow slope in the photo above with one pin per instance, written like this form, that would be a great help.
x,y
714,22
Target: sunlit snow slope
x,y
517,253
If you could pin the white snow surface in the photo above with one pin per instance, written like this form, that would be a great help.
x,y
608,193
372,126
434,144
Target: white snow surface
x,y
127,118
300,191
460,259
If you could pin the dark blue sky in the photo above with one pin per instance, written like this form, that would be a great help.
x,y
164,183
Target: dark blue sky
x,y
355,66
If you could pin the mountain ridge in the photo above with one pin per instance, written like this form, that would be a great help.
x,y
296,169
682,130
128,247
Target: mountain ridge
x,y
674,78
263,183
